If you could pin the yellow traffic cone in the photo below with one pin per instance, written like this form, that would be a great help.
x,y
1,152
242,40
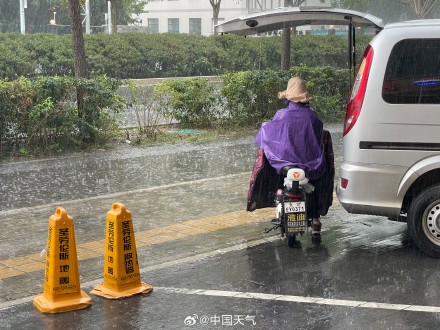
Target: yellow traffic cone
x,y
62,292
121,269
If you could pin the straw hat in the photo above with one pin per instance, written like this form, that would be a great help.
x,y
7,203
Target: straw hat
x,y
296,91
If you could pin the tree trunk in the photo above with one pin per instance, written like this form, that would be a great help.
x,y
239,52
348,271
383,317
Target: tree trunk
x,y
79,50
215,4
285,54
286,35
116,9
79,61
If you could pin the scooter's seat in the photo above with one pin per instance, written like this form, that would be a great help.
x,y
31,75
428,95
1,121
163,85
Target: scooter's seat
x,y
294,173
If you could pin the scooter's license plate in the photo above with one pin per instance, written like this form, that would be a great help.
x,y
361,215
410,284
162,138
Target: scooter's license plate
x,y
295,207
296,216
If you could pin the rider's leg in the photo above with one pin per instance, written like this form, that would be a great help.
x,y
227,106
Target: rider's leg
x,y
316,226
313,210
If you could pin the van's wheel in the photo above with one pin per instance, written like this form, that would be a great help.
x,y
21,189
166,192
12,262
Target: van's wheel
x,y
291,240
424,221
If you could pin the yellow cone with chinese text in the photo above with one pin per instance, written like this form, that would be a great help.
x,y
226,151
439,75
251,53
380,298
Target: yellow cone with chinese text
x,y
62,292
121,269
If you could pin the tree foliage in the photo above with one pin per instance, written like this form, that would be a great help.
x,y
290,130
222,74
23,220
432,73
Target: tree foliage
x,y
39,13
360,5
124,11
421,8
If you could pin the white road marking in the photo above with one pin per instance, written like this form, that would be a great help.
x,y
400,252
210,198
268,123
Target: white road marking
x,y
248,295
300,299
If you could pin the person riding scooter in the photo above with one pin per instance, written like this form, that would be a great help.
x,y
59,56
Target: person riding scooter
x,y
295,136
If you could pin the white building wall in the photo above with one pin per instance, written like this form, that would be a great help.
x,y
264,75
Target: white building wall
x,y
186,9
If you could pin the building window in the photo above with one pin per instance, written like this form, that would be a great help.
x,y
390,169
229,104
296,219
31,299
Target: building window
x,y
173,25
153,24
195,26
258,5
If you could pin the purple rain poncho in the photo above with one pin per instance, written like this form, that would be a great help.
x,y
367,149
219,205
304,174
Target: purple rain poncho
x,y
294,137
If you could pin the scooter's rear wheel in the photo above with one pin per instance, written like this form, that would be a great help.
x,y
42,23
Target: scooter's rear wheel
x,y
291,240
316,238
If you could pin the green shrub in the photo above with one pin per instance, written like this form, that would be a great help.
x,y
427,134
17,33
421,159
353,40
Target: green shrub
x,y
100,101
43,112
251,96
329,87
248,98
189,101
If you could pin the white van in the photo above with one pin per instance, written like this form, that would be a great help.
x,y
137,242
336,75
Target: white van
x,y
391,144
391,139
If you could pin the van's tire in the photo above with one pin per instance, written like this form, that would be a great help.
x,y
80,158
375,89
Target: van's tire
x,y
424,221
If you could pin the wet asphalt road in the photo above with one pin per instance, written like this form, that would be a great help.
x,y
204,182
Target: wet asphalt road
x,y
365,274
31,183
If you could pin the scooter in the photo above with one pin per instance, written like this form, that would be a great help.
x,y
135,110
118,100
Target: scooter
x,y
291,206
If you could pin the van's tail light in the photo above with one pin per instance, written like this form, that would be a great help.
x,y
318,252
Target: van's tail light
x,y
358,92
344,183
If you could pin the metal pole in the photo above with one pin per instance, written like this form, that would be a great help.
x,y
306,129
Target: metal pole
x,y
22,18
87,16
109,17
350,47
354,51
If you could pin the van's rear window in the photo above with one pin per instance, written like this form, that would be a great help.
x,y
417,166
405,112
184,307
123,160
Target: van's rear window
x,y
413,72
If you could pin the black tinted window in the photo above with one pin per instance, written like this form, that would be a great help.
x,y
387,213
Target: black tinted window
x,y
413,72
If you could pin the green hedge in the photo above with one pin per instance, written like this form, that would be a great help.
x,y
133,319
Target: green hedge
x,y
135,55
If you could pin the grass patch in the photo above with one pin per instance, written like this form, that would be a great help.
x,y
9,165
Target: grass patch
x,y
167,135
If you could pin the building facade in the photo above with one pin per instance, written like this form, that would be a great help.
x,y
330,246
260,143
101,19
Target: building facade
x,y
196,17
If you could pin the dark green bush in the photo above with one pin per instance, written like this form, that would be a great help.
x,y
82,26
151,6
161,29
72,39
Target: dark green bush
x,y
15,59
43,112
251,96
189,101
100,102
329,87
